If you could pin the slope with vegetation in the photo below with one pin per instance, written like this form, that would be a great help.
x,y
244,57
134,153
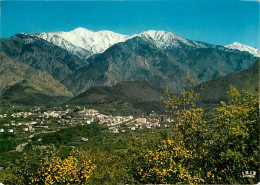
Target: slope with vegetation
x,y
132,97
214,91
23,85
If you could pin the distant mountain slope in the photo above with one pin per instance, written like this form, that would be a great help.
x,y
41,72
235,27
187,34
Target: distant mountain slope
x,y
214,91
41,55
27,94
242,47
124,98
141,59
15,75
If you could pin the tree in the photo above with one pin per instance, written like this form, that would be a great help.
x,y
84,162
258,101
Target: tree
x,y
235,143
214,148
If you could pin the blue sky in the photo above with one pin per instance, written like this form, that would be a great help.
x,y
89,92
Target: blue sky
x,y
213,21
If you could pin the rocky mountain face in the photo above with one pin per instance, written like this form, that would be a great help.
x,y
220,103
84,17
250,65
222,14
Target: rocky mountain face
x,y
12,72
18,77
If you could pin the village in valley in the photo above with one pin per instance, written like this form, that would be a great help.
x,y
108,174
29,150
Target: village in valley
x,y
38,121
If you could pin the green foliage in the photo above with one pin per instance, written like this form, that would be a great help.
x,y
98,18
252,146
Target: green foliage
x,y
70,134
235,143
214,148
7,145
7,142
165,162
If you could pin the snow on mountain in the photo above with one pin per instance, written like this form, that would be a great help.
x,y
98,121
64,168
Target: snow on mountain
x,y
96,42
59,41
167,40
91,41
84,42
242,47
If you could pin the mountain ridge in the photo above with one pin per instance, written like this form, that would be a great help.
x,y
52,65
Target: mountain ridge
x,y
138,58
243,47
85,43
12,72
41,55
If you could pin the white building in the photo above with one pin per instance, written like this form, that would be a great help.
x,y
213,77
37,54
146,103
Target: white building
x,y
25,129
141,120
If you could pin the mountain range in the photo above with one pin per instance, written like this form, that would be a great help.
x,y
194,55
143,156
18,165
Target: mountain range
x,y
81,59
161,58
84,42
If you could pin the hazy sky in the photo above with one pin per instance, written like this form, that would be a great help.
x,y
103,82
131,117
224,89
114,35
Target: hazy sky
x,y
213,21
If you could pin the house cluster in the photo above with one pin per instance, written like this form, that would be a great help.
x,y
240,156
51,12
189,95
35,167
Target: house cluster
x,y
3,116
17,127
141,123
21,114
147,122
55,114
114,122
82,116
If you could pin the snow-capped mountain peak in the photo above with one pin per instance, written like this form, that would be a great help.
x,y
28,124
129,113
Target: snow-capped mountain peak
x,y
164,40
91,41
242,47
161,35
95,42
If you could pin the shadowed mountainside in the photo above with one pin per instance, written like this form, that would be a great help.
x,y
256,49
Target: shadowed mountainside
x,y
214,91
124,98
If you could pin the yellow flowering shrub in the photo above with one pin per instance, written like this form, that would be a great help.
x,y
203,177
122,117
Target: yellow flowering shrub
x,y
66,171
235,142
74,169
213,148
166,164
